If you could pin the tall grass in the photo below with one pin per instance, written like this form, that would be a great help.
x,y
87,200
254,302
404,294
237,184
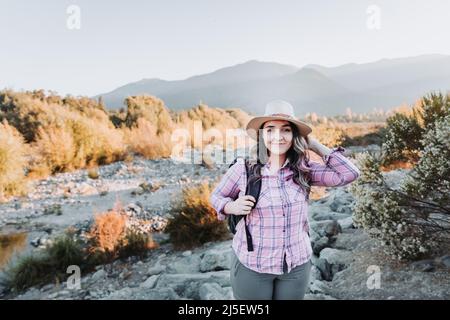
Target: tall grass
x,y
46,266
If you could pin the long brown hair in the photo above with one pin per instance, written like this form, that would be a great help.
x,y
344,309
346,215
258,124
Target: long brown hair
x,y
297,155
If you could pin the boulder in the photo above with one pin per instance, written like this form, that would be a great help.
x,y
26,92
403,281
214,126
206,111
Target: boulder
x,y
188,285
444,261
213,291
315,274
323,267
332,229
189,264
156,269
320,244
99,275
423,265
346,223
215,260
150,282
319,226
318,286
333,261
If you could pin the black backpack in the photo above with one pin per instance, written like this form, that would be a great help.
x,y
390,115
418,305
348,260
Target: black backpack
x,y
253,188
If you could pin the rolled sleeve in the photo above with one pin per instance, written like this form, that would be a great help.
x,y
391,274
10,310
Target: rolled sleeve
x,y
227,189
337,170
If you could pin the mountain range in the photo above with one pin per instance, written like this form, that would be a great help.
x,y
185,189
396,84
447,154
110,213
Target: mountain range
x,y
385,83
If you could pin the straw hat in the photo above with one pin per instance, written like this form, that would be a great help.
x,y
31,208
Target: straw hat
x,y
277,110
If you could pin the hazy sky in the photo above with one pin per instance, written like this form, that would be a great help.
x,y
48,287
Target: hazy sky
x,y
124,41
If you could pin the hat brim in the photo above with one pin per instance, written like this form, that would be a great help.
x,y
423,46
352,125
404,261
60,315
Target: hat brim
x,y
255,123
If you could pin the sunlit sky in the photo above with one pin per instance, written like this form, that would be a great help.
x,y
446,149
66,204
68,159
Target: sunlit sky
x,y
124,41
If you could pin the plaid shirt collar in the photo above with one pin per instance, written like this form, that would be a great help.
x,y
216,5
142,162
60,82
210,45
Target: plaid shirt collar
x,y
267,165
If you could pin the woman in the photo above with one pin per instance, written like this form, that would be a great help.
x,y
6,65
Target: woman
x,y
280,264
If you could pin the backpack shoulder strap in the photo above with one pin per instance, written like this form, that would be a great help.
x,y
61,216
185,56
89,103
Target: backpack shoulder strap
x,y
235,160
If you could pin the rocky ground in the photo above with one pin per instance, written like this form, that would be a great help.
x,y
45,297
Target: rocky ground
x,y
344,261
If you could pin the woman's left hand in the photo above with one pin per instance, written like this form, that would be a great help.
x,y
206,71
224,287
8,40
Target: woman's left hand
x,y
315,146
312,142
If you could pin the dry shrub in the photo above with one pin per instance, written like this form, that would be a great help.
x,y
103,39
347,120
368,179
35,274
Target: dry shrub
x,y
12,161
151,109
111,237
64,133
10,244
95,143
108,231
54,151
216,119
195,221
143,139
329,135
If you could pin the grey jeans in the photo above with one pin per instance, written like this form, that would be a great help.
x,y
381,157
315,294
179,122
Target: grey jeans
x,y
251,285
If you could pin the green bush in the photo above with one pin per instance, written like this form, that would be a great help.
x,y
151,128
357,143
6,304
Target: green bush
x,y
136,244
47,266
430,178
402,139
384,213
404,132
412,219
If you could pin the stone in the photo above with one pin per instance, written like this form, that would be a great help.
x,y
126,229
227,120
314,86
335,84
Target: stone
x,y
444,261
156,269
211,291
87,189
315,273
333,261
125,274
122,294
309,296
346,223
215,260
319,226
327,215
150,282
188,285
318,286
423,265
99,275
320,244
187,253
159,294
35,242
189,264
332,228
324,268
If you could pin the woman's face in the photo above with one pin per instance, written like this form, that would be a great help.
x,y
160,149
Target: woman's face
x,y
277,136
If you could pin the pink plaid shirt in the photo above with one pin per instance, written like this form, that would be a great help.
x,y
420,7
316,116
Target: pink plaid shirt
x,y
278,223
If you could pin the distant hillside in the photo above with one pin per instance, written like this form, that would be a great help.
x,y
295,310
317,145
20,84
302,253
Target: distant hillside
x,y
325,90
